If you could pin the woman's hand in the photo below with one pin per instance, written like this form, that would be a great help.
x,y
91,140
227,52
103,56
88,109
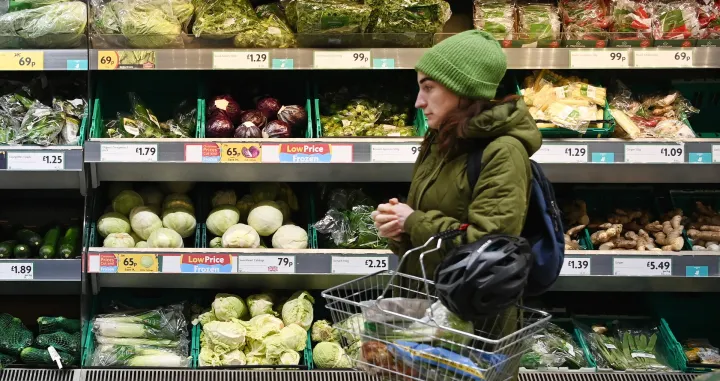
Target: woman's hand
x,y
390,218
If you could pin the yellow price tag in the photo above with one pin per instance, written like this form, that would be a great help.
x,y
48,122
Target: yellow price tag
x,y
240,153
22,60
108,60
138,263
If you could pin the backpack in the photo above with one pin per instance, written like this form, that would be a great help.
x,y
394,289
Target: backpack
x,y
543,225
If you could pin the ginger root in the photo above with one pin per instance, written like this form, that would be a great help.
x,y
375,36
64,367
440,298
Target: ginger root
x,y
570,242
704,235
668,234
609,232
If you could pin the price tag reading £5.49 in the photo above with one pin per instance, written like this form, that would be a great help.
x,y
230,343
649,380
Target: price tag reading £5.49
x,y
562,153
129,153
16,271
642,266
394,153
654,153
576,266
351,264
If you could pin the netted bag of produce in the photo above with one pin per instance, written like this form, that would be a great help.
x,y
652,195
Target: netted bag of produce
x,y
62,341
496,18
553,347
145,24
315,17
269,32
585,19
632,20
538,22
675,20
15,335
223,19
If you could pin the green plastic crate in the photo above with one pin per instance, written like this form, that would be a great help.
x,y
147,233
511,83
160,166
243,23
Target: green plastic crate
x,y
305,356
161,92
567,325
704,95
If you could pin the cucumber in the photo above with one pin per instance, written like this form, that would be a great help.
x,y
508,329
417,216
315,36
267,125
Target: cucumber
x,y
22,250
35,356
30,238
68,243
47,250
6,249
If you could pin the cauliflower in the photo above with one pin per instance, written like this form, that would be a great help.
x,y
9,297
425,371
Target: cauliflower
x,y
227,307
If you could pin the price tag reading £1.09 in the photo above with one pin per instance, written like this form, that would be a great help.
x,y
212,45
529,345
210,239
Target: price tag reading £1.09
x,y
241,60
264,264
394,153
351,264
654,153
35,161
562,153
599,59
642,266
129,153
342,59
576,266
16,271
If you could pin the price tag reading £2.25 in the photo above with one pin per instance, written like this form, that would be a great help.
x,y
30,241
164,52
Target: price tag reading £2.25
x,y
654,153
342,59
351,264
36,161
129,153
599,59
562,153
394,153
264,264
642,266
16,271
576,266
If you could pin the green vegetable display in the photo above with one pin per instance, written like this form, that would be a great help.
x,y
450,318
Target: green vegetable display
x,y
18,344
59,25
269,32
496,18
408,23
624,349
143,123
380,114
554,347
348,222
223,19
314,17
266,10
538,22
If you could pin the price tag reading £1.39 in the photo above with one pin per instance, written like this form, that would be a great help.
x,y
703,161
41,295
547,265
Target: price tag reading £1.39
x,y
351,264
562,153
599,59
342,59
264,264
654,153
576,266
241,60
642,266
36,161
394,153
16,271
129,153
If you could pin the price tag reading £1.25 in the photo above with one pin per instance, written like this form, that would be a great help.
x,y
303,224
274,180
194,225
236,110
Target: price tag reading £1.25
x,y
562,153
576,266
642,266
654,153
394,153
351,264
36,161
16,271
129,153
264,264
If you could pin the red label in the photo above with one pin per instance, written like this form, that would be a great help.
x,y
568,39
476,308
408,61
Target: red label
x,y
108,260
210,149
306,149
206,259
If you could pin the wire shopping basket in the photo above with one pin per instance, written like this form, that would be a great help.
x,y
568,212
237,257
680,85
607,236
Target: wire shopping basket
x,y
392,326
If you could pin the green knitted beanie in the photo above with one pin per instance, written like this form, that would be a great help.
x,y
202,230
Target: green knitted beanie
x,y
470,64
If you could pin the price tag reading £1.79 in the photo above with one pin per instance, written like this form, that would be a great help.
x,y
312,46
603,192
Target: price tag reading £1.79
x,y
394,153
351,264
266,264
241,60
35,161
599,59
654,153
16,271
642,266
342,59
129,153
576,266
562,153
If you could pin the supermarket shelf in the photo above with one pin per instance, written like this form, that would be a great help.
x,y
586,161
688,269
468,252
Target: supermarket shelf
x,y
12,374
39,60
564,160
40,276
223,375
60,167
611,376
405,58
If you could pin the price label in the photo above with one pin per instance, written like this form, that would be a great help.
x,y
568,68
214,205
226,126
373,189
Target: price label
x,y
129,153
266,264
35,161
642,266
599,59
576,266
654,153
108,60
663,58
138,263
240,153
394,153
716,153
342,59
241,60
351,264
562,153
16,271
24,60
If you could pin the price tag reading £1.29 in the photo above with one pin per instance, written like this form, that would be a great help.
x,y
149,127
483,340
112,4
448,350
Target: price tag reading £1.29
x,y
562,153
129,153
351,264
266,264
16,271
342,59
241,60
654,153
599,59
36,161
394,153
642,266
576,266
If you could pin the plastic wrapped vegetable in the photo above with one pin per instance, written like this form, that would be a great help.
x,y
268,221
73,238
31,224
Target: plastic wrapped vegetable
x,y
708,13
639,347
290,9
632,20
147,25
585,19
496,18
409,23
139,355
315,16
348,221
675,20
266,10
60,25
554,347
41,126
538,22
223,19
269,32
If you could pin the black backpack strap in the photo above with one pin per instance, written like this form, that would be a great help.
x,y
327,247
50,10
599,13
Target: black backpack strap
x,y
474,163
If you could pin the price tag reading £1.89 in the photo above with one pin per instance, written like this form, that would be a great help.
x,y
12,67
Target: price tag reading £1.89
x,y
342,59
394,153
561,153
36,161
264,264
16,271
351,264
599,59
576,266
241,60
654,153
642,266
129,153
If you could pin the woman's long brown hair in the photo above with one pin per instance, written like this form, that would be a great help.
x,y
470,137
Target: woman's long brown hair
x,y
450,136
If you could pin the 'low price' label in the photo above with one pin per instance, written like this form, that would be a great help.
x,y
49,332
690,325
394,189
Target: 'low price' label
x,y
342,59
642,266
129,153
351,264
264,264
241,60
664,58
576,266
35,161
654,153
562,153
599,59
394,153
16,271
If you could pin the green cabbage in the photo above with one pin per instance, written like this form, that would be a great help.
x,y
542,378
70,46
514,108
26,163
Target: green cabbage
x,y
240,236
123,240
299,310
328,355
146,25
260,304
224,197
165,238
180,220
265,219
144,222
222,19
262,326
113,222
294,337
124,202
224,336
221,219
228,306
290,237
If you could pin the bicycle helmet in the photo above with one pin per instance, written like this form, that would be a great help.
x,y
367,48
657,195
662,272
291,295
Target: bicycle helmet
x,y
485,277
